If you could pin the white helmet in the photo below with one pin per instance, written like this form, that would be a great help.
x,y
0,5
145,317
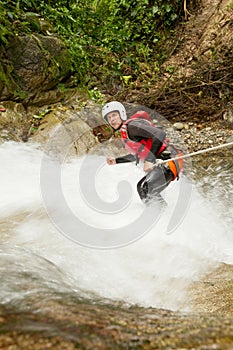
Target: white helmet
x,y
114,106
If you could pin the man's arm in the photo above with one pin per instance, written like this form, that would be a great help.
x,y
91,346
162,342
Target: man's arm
x,y
124,159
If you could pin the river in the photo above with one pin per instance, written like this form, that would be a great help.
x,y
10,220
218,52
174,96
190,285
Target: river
x,y
42,265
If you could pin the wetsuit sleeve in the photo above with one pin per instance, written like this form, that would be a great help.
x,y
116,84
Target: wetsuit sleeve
x,y
140,129
126,159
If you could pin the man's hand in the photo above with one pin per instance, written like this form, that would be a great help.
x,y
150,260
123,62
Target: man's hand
x,y
148,166
158,162
111,160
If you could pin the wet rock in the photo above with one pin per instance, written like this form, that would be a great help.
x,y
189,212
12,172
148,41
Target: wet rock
x,y
73,323
14,121
63,132
6,135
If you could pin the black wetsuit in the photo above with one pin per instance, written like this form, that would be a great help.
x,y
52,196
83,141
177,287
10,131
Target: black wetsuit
x,y
150,186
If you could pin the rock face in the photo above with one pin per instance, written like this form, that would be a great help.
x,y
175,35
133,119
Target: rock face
x,y
32,66
64,133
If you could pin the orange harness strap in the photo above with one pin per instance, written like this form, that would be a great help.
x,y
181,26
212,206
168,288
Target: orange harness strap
x,y
176,166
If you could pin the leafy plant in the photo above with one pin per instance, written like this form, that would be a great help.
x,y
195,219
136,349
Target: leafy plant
x,y
107,39
96,95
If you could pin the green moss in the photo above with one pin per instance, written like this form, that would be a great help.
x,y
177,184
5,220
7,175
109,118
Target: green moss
x,y
7,81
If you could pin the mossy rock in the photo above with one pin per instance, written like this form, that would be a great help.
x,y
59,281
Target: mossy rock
x,y
31,65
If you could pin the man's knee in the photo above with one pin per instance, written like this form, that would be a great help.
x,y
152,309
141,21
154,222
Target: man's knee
x,y
142,188
153,183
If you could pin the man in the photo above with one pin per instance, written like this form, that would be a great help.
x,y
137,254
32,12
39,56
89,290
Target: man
x,y
147,143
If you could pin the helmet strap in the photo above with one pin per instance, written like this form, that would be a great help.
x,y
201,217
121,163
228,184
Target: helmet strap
x,y
118,127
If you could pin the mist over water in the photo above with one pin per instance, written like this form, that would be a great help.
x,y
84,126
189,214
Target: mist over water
x,y
155,270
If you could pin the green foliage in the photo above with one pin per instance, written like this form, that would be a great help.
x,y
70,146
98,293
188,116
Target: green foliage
x,y
107,39
5,25
43,113
96,95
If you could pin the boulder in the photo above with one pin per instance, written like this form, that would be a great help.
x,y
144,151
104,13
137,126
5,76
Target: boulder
x,y
31,66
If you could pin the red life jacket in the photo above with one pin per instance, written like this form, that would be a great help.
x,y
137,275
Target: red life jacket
x,y
140,148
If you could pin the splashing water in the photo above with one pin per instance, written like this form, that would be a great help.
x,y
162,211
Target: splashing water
x,y
155,270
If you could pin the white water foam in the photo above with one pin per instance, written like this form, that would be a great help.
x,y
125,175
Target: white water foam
x,y
153,271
